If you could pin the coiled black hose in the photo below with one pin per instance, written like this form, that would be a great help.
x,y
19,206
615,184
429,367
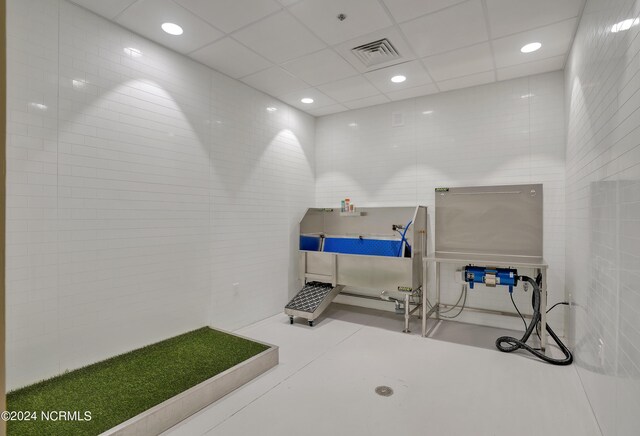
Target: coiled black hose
x,y
516,344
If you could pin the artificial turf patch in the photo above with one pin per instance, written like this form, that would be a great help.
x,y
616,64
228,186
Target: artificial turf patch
x,y
121,387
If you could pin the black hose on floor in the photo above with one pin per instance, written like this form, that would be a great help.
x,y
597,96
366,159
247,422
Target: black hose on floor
x,y
516,344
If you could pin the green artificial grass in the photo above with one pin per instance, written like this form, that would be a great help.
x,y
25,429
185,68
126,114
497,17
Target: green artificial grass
x,y
121,387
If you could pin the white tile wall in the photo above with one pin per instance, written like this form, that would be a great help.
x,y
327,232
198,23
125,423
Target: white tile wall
x,y
141,186
503,133
32,204
262,183
133,175
603,206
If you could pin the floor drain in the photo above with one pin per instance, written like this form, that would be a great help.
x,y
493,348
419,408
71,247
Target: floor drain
x,y
384,391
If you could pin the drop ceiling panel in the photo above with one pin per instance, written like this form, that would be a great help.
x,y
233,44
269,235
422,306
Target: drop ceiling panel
x,y
414,72
363,16
287,48
465,82
367,101
320,67
391,33
230,15
349,89
108,9
404,10
279,38
274,81
461,62
513,16
413,92
555,39
319,99
455,27
536,67
146,16
333,109
230,57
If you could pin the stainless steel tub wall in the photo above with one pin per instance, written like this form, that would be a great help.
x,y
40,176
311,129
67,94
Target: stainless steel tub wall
x,y
364,271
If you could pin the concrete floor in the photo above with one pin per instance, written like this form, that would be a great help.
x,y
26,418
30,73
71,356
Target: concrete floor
x,y
453,383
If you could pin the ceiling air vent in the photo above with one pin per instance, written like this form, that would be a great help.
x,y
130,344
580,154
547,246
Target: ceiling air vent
x,y
376,52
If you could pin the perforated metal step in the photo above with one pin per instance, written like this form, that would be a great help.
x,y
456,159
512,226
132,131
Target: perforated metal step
x,y
309,297
312,299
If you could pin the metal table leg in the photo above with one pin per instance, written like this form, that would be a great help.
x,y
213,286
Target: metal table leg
x,y
407,312
437,303
425,309
426,312
543,309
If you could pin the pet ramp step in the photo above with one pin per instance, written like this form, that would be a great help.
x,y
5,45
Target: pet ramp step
x,y
312,300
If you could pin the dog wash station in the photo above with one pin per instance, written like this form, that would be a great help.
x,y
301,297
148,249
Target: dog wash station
x,y
487,232
375,248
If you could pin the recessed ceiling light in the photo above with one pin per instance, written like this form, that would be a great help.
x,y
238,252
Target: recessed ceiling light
x,y
398,79
427,112
307,100
531,47
133,52
172,28
625,25
353,124
78,83
527,95
272,109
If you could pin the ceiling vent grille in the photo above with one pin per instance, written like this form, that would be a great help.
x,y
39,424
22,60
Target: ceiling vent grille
x,y
376,52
